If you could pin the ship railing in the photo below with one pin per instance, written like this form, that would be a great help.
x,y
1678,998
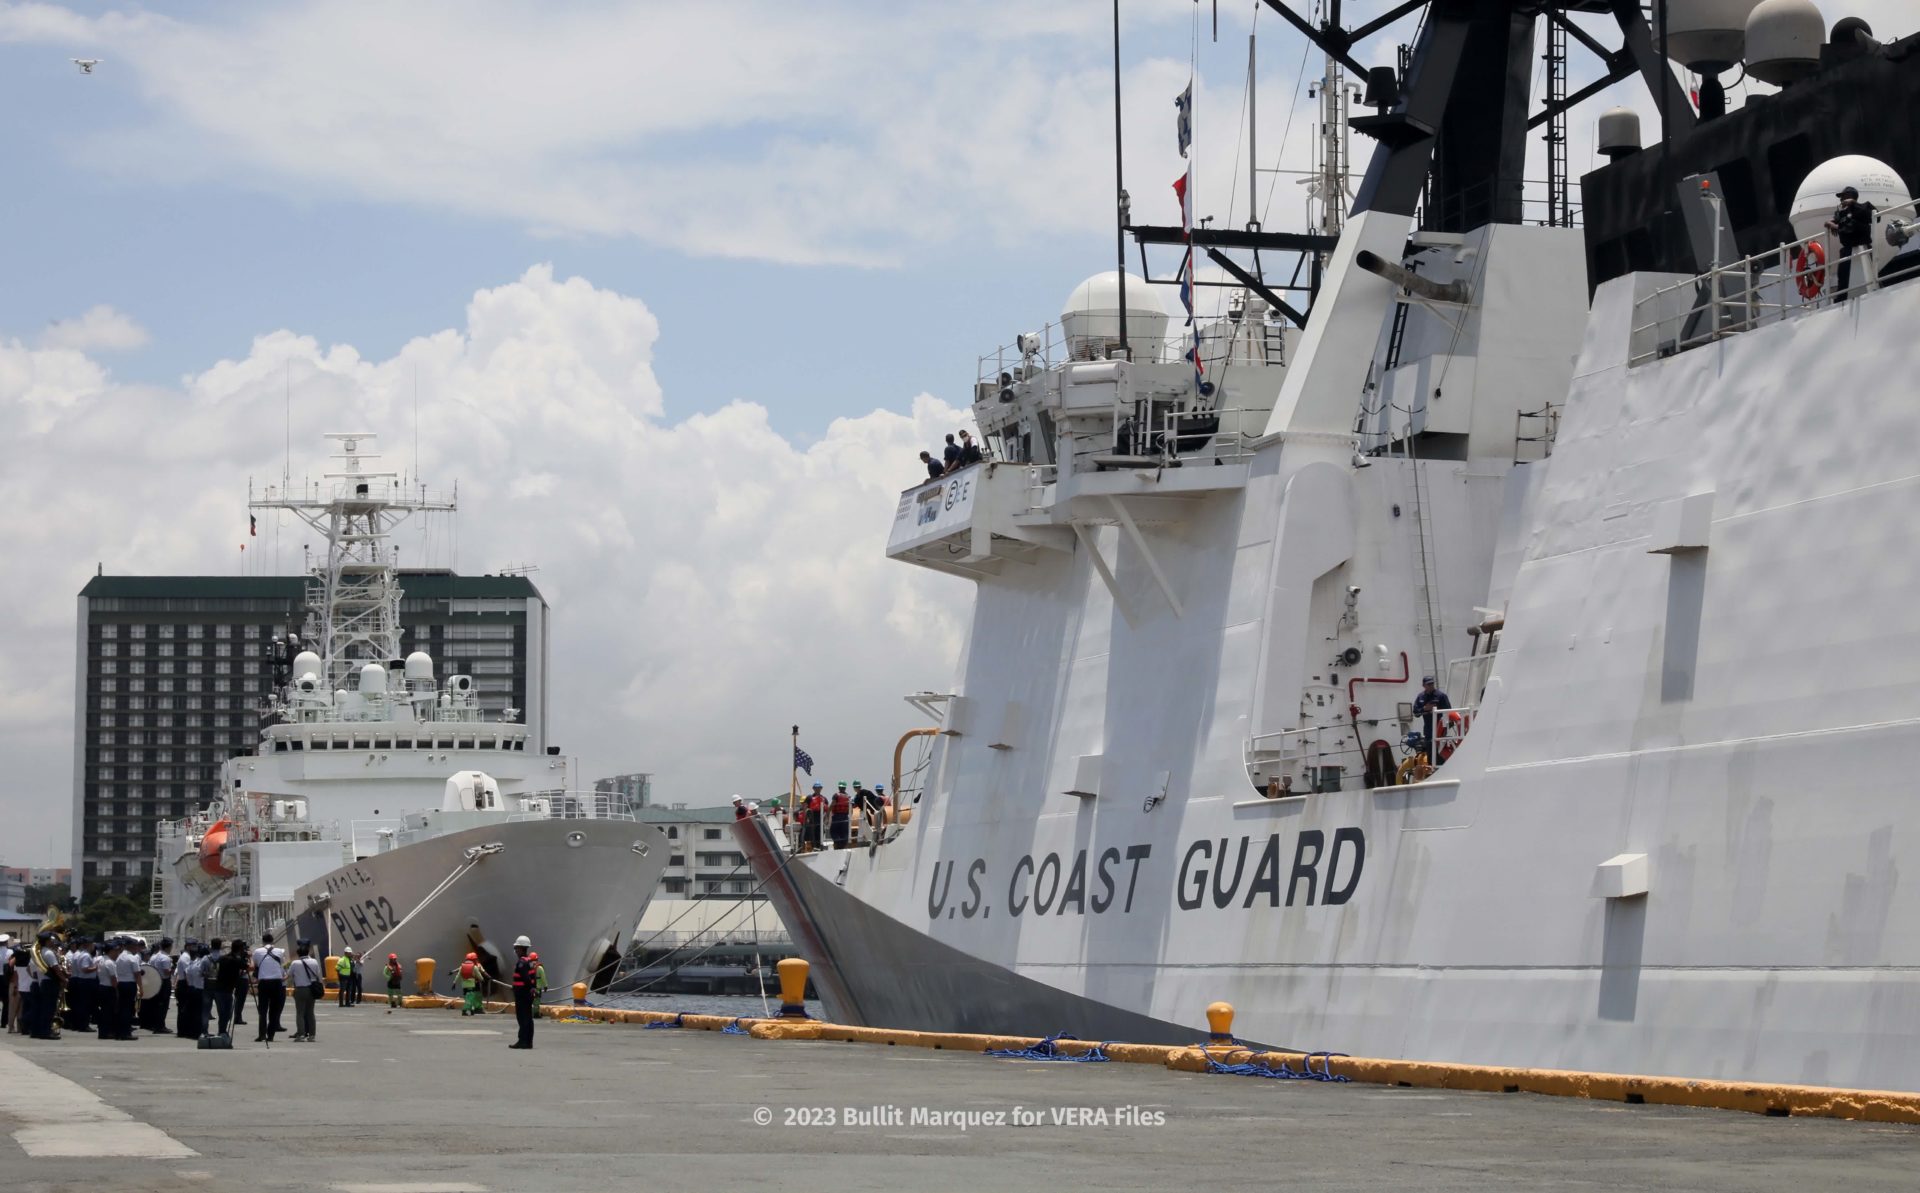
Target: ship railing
x,y
575,805
1770,287
1297,762
376,836
1037,353
1170,434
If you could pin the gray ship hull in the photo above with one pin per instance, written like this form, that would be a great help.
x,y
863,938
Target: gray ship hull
x,y
576,888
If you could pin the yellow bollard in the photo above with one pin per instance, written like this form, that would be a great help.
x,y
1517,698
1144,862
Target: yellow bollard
x,y
793,988
423,975
1220,1022
579,994
330,973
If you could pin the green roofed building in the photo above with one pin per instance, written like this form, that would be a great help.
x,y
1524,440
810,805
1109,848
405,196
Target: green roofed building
x,y
172,673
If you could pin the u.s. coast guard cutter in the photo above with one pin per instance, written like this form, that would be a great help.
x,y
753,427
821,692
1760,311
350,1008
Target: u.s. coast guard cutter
x,y
1639,496
381,810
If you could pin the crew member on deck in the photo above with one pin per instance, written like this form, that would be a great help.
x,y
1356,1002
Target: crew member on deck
x,y
526,976
815,808
950,456
841,811
969,450
934,467
1430,700
1852,226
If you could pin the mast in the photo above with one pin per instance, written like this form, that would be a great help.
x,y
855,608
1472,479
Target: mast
x,y
353,593
1119,189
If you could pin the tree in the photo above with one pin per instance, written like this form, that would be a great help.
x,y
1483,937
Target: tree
x,y
102,912
39,898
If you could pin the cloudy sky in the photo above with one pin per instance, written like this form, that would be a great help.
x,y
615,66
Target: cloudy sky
x,y
674,291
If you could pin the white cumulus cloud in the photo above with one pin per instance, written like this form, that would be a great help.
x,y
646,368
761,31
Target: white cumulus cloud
x,y
101,329
712,581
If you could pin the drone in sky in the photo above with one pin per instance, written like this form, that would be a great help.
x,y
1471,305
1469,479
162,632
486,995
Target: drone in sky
x,y
86,65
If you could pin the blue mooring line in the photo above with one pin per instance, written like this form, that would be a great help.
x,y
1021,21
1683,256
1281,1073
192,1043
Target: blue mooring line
x,y
1284,1072
677,1021
734,1029
1046,1050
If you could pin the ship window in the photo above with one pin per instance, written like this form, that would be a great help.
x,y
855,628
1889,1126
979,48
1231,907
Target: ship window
x,y
383,743
465,743
443,744
299,744
486,743
321,743
360,743
280,747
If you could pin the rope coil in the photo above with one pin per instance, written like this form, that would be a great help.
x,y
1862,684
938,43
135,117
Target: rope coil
x,y
1284,1072
1048,1049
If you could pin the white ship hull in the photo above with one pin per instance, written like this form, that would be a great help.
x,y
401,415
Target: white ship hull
x,y
1736,713
403,902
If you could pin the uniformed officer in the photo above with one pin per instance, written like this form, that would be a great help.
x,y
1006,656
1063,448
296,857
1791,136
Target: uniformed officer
x,y
83,985
126,972
153,1011
270,974
526,976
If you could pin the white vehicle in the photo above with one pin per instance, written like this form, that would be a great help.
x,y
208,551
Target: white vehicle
x,y
1639,498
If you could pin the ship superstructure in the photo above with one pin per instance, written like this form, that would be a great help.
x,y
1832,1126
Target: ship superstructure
x,y
382,809
1631,495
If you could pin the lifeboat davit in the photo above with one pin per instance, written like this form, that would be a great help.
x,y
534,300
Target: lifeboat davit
x,y
210,846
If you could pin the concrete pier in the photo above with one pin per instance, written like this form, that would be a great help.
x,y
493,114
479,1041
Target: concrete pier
x,y
425,1101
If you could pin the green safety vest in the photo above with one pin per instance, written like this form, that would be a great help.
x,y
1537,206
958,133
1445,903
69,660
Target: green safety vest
x,y
343,966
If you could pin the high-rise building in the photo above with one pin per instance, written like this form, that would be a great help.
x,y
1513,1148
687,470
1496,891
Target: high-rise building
x,y
173,673
636,787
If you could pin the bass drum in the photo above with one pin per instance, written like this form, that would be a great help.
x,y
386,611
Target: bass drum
x,y
151,983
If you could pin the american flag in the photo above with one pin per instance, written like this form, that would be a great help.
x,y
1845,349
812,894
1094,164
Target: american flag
x,y
802,760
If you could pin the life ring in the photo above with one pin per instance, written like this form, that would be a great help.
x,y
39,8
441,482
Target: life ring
x,y
1810,269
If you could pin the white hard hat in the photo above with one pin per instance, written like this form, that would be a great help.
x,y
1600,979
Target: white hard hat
x,y
736,799
522,943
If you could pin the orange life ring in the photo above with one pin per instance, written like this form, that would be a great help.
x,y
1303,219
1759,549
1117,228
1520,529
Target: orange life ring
x,y
210,846
1810,269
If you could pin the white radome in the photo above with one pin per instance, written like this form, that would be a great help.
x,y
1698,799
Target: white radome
x,y
1092,312
1706,32
1783,40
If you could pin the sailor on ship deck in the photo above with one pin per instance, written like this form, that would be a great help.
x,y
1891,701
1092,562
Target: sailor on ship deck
x,y
1852,226
1430,700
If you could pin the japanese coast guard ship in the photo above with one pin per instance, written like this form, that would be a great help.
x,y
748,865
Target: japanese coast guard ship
x,y
1639,495
382,812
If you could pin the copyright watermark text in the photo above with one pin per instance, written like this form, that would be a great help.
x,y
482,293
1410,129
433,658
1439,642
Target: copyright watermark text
x,y
939,1118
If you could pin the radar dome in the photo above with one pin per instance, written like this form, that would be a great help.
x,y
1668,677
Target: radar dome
x,y
1619,133
1783,40
373,678
1876,181
1091,319
1704,34
420,666
306,662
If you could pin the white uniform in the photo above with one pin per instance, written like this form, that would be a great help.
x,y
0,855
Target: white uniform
x,y
270,964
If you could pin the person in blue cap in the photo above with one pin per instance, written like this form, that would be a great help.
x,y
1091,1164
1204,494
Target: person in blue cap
x,y
1430,700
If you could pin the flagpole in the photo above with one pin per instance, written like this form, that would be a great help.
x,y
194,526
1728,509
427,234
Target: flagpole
x,y
1119,189
794,791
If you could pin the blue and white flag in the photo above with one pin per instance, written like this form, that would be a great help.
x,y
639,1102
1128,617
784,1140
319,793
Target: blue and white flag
x,y
802,760
1183,104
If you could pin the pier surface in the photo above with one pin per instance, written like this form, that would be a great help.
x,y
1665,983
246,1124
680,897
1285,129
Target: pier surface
x,y
426,1101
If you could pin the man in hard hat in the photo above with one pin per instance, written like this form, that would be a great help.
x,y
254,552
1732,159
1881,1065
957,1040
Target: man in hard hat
x,y
394,973
470,985
526,974
840,816
811,814
1852,227
739,807
343,977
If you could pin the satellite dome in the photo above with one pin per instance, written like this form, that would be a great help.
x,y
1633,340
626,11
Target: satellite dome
x,y
1091,319
1877,182
420,666
1852,31
1619,133
1783,40
306,661
373,678
1705,35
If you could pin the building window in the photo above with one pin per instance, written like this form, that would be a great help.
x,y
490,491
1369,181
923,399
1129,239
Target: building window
x,y
253,631
163,685
223,650
109,631
166,631
712,834
109,756
136,649
222,685
107,702
223,631
673,833
109,667
107,721
109,649
196,630
136,631
109,685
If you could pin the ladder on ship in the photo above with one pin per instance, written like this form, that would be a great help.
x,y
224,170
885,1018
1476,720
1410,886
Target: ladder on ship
x,y
1423,542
